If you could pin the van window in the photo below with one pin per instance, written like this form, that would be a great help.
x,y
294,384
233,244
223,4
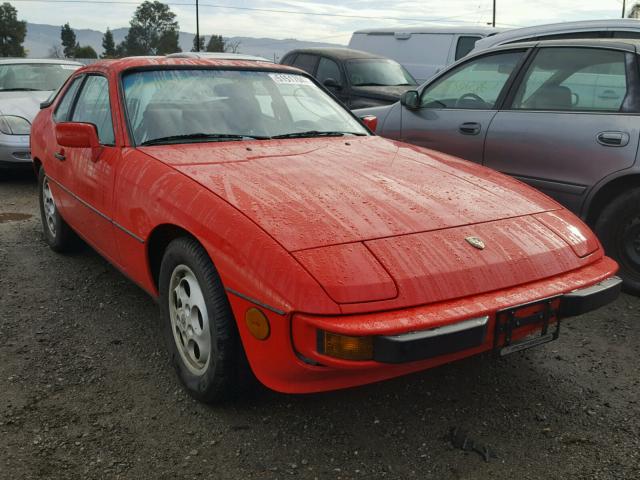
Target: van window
x,y
570,79
473,85
306,62
465,45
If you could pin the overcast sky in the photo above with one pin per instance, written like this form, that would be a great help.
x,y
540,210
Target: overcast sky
x,y
98,14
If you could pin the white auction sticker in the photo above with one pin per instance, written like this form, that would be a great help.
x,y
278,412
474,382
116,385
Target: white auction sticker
x,y
288,79
70,67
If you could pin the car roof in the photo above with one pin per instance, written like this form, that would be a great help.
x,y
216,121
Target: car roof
x,y
440,29
128,63
54,61
563,27
218,55
337,53
629,45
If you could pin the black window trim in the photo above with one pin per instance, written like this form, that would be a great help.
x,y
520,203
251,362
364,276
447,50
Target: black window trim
x,y
75,102
506,88
629,105
62,94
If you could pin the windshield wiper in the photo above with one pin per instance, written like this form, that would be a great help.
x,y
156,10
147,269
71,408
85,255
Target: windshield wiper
x,y
20,89
213,137
371,84
316,133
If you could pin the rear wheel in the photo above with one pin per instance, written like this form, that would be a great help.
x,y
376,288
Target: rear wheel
x,y
57,233
199,326
618,228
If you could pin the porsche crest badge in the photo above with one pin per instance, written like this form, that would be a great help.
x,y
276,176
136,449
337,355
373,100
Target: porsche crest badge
x,y
476,242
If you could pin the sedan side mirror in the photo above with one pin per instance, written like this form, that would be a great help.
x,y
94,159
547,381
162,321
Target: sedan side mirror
x,y
332,83
77,135
370,121
410,99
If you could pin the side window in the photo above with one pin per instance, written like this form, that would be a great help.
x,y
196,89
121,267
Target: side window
x,y
465,45
579,79
473,85
328,69
64,107
93,107
306,62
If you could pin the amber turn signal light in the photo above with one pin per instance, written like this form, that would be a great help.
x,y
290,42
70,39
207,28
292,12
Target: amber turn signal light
x,y
257,323
346,347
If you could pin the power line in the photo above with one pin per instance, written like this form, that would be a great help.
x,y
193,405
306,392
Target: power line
x,y
254,9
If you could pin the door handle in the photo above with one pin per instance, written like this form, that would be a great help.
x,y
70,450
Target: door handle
x,y
60,156
613,139
608,95
470,128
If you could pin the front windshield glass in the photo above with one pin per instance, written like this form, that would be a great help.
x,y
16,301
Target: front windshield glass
x,y
34,76
378,72
174,104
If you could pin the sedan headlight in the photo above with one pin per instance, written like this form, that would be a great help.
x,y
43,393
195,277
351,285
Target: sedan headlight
x,y
14,125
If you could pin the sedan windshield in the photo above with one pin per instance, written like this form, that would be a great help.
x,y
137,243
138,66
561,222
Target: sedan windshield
x,y
378,72
34,76
206,105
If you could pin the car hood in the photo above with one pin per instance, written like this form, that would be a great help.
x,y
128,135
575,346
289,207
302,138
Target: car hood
x,y
327,191
22,104
391,93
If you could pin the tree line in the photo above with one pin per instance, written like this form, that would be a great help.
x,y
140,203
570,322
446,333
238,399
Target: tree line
x,y
153,30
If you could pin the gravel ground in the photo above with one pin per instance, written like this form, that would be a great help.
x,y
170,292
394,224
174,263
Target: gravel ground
x,y
86,391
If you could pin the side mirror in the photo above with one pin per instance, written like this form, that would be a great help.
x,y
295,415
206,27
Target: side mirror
x,y
332,83
410,99
370,121
77,135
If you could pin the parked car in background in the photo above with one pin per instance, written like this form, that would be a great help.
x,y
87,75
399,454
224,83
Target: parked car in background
x,y
357,79
610,28
422,51
273,227
24,83
562,116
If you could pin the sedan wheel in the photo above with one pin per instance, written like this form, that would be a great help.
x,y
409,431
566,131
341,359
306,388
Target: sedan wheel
x,y
56,232
200,330
618,228
189,320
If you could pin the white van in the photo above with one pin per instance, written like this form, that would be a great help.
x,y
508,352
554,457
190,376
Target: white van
x,y
611,28
422,51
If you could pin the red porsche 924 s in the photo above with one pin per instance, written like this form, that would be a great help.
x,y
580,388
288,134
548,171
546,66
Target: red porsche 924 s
x,y
274,228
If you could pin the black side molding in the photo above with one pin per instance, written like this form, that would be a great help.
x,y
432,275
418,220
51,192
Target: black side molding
x,y
410,347
590,298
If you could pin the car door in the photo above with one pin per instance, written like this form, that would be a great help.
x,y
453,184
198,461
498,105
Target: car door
x,y
456,109
92,171
569,123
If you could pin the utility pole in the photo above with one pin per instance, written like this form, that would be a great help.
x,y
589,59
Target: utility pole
x,y
624,7
197,28
493,23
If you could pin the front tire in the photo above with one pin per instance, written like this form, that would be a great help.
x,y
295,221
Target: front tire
x,y
618,228
199,326
57,233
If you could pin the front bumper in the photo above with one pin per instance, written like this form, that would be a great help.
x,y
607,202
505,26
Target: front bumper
x,y
291,361
14,151
472,333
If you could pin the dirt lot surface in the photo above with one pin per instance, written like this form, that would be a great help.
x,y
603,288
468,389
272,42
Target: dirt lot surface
x,y
86,391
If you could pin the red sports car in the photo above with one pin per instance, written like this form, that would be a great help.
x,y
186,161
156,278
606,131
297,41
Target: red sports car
x,y
275,229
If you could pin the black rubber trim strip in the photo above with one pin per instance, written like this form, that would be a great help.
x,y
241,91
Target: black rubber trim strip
x,y
590,298
425,344
96,211
253,300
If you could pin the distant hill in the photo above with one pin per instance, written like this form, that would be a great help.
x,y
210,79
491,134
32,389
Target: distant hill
x,y
40,39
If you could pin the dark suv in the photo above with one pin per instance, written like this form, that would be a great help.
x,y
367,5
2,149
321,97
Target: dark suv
x,y
356,78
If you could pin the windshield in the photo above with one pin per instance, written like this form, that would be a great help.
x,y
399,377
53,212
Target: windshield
x,y
34,76
178,106
378,72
